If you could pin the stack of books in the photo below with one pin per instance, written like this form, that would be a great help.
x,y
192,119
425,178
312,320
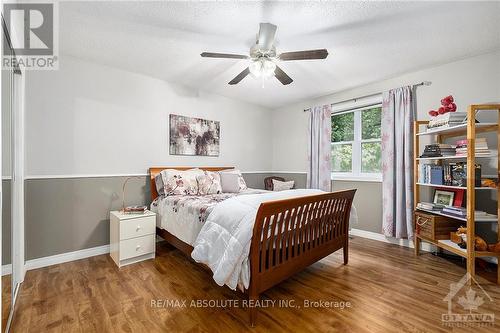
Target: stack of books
x,y
462,212
430,206
481,147
455,210
438,150
449,119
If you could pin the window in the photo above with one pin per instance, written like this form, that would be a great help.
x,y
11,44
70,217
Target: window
x,y
356,144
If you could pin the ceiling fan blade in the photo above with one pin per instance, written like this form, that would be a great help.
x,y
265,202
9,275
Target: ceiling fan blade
x,y
223,55
240,76
267,32
282,76
304,55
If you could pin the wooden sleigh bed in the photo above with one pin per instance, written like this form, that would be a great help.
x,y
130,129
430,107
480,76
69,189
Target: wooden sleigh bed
x,y
303,231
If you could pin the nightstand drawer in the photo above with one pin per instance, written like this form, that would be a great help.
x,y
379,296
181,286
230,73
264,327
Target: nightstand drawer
x,y
137,227
137,246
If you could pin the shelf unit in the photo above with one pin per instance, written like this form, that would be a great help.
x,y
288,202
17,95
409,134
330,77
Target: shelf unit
x,y
469,129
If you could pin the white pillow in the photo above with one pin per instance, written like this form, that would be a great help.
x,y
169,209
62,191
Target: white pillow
x,y
209,183
282,186
178,182
230,182
241,181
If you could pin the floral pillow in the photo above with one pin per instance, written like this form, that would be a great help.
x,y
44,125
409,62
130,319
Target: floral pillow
x,y
178,182
241,181
209,183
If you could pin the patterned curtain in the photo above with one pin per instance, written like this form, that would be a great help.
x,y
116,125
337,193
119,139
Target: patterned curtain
x,y
397,162
319,152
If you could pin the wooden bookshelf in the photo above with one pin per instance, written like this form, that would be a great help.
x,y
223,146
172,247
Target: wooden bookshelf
x,y
468,129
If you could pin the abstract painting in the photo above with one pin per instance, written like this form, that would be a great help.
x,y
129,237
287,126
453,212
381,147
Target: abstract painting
x,y
194,136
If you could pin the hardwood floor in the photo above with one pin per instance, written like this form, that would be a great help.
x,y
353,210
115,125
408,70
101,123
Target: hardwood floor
x,y
389,289
6,299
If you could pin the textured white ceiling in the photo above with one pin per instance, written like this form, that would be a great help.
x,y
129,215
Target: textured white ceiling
x,y
367,41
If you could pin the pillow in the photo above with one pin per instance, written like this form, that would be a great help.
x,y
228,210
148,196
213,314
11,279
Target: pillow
x,y
177,182
241,181
209,183
282,186
230,182
160,189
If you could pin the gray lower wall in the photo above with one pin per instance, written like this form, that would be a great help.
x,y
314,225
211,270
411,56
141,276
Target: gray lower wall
x,y
368,202
64,215
6,223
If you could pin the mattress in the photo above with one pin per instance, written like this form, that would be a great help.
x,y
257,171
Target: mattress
x,y
184,215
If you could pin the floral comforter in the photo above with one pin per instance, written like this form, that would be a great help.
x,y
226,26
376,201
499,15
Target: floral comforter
x,y
184,215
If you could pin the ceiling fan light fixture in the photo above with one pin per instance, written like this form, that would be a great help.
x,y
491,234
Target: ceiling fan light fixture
x,y
262,67
263,57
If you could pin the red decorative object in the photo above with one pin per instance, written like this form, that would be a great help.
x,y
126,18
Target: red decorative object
x,y
452,107
447,105
447,100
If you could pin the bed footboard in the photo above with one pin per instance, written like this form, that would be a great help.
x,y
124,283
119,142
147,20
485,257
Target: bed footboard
x,y
292,234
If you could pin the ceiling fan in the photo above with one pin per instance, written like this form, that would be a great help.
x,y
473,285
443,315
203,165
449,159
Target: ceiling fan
x,y
263,57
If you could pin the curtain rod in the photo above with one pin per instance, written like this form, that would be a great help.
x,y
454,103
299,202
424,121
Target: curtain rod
x,y
423,83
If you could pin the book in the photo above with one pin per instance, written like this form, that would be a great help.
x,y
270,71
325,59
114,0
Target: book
x,y
135,210
430,206
449,119
436,174
480,147
459,174
438,150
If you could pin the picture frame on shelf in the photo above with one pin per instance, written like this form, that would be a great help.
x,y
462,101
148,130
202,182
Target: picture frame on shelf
x,y
445,198
458,199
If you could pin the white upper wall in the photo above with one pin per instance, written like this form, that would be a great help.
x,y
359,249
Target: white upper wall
x,y
471,81
87,118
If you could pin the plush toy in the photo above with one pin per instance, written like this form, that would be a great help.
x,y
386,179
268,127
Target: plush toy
x,y
447,105
479,243
494,247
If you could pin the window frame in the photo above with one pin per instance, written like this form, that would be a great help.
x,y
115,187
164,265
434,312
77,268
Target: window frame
x,y
356,173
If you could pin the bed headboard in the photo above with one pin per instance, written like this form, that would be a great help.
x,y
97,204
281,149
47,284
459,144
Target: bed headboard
x,y
153,171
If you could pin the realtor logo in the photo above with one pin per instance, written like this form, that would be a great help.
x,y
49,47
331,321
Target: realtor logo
x,y
469,295
33,38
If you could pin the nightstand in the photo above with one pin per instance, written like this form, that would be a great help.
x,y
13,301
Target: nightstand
x,y
132,237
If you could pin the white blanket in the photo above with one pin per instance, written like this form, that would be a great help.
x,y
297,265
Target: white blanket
x,y
223,243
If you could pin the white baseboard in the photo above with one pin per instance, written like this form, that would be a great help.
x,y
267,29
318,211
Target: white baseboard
x,y
65,257
6,269
381,238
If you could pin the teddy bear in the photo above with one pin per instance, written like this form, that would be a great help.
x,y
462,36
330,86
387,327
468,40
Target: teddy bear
x,y
447,105
494,247
479,243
